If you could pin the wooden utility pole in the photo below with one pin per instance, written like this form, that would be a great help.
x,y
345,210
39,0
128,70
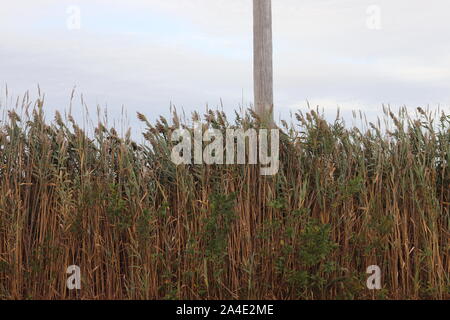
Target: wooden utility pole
x,y
262,63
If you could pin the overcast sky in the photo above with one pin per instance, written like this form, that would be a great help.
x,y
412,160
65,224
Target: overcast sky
x,y
146,54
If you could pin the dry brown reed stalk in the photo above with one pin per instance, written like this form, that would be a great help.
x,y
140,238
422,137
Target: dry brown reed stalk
x,y
142,228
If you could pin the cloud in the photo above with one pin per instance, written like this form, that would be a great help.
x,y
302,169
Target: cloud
x,y
147,54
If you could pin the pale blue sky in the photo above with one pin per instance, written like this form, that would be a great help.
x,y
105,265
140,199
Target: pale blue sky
x,y
146,54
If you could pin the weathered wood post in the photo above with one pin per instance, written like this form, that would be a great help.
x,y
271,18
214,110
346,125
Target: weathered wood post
x,y
262,63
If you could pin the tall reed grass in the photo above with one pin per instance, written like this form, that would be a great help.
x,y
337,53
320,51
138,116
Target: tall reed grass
x,y
140,227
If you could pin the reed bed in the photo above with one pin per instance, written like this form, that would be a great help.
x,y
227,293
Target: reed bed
x,y
140,227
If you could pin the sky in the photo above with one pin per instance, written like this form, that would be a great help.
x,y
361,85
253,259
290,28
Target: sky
x,y
146,55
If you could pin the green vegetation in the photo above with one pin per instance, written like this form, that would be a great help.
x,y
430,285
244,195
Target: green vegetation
x,y
142,228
